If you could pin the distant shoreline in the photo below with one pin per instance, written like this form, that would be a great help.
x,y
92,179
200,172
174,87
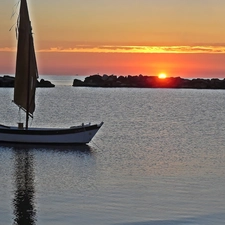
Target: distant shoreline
x,y
8,81
140,81
149,82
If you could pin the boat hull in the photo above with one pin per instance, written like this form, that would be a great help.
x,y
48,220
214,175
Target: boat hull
x,y
73,135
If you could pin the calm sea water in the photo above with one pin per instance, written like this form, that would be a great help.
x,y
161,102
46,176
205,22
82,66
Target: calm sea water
x,y
159,159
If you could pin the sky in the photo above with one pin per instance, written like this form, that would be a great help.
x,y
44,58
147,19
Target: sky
x,y
183,38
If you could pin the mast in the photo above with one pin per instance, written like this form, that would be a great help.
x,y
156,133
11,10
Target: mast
x,y
28,87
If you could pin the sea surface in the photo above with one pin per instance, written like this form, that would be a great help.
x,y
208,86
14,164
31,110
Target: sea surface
x,y
159,158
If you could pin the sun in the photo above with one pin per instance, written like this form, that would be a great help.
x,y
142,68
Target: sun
x,y
162,76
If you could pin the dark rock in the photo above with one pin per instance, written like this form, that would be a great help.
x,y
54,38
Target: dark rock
x,y
8,81
149,82
77,82
44,83
94,81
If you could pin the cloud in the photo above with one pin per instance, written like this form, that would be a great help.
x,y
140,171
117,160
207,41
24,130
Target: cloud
x,y
139,49
7,49
131,49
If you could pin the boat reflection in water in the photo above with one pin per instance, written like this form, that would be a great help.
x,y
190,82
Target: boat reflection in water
x,y
24,200
24,193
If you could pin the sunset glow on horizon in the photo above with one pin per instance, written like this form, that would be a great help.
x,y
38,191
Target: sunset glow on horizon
x,y
89,37
162,76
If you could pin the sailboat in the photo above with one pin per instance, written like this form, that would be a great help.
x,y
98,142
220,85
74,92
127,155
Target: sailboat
x,y
26,76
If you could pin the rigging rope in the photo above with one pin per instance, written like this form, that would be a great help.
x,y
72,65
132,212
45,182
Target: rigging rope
x,y
17,21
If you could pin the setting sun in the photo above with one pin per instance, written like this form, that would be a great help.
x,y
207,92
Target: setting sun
x,y
162,76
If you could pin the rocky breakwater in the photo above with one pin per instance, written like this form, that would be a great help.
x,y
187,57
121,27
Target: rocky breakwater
x,y
8,81
149,82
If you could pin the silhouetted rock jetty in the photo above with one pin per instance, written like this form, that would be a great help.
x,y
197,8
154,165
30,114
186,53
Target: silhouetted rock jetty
x,y
8,81
45,83
149,82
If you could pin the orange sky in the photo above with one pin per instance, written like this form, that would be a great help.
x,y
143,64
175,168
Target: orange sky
x,y
180,38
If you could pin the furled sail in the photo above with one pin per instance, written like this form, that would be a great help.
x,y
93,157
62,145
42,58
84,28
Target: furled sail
x,y
26,66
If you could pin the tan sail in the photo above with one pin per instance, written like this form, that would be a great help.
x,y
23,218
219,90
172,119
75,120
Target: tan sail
x,y
26,66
